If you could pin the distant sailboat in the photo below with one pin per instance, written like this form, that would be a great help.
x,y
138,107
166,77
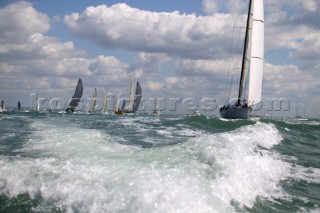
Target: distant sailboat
x,y
137,99
117,110
2,106
194,113
19,105
252,64
105,102
76,97
38,105
155,109
134,99
120,111
36,108
301,117
93,101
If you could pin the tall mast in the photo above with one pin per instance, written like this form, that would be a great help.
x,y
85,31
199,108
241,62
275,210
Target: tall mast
x,y
245,54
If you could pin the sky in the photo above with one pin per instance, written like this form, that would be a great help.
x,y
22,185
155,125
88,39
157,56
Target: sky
x,y
176,49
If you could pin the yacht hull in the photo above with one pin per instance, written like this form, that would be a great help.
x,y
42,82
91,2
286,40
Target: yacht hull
x,y
234,112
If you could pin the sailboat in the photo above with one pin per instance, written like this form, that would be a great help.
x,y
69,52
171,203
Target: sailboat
x,y
134,99
37,107
252,65
301,117
76,97
137,99
105,102
2,107
93,101
19,105
155,110
117,110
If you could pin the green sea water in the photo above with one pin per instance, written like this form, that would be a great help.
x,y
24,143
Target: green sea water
x,y
55,162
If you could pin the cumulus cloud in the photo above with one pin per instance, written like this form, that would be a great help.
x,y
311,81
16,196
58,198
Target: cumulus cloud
x,y
13,22
32,61
286,81
213,6
309,48
210,6
183,35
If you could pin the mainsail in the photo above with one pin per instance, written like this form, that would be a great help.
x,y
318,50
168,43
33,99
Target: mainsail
x,y
257,54
131,97
123,105
105,102
76,97
116,103
93,101
155,109
138,97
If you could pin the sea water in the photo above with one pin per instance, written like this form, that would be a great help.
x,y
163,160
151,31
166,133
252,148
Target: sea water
x,y
55,162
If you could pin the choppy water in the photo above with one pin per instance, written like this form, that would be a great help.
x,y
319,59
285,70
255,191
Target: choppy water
x,y
51,162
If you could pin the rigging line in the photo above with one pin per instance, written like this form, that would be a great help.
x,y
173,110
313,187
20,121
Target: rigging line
x,y
227,93
238,46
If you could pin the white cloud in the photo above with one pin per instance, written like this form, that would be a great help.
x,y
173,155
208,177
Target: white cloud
x,y
210,6
288,81
213,6
187,36
309,48
32,61
20,20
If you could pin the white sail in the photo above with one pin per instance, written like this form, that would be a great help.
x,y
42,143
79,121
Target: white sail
x,y
38,105
156,111
93,101
257,54
105,103
116,103
131,97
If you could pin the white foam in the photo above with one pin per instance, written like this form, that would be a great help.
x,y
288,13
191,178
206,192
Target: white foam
x,y
310,175
244,170
86,170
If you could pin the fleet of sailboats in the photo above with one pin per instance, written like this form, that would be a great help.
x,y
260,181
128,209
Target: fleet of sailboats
x,y
251,67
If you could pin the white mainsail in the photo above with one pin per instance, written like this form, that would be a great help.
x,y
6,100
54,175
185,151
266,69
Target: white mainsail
x,y
156,107
105,102
257,53
131,97
116,103
93,101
